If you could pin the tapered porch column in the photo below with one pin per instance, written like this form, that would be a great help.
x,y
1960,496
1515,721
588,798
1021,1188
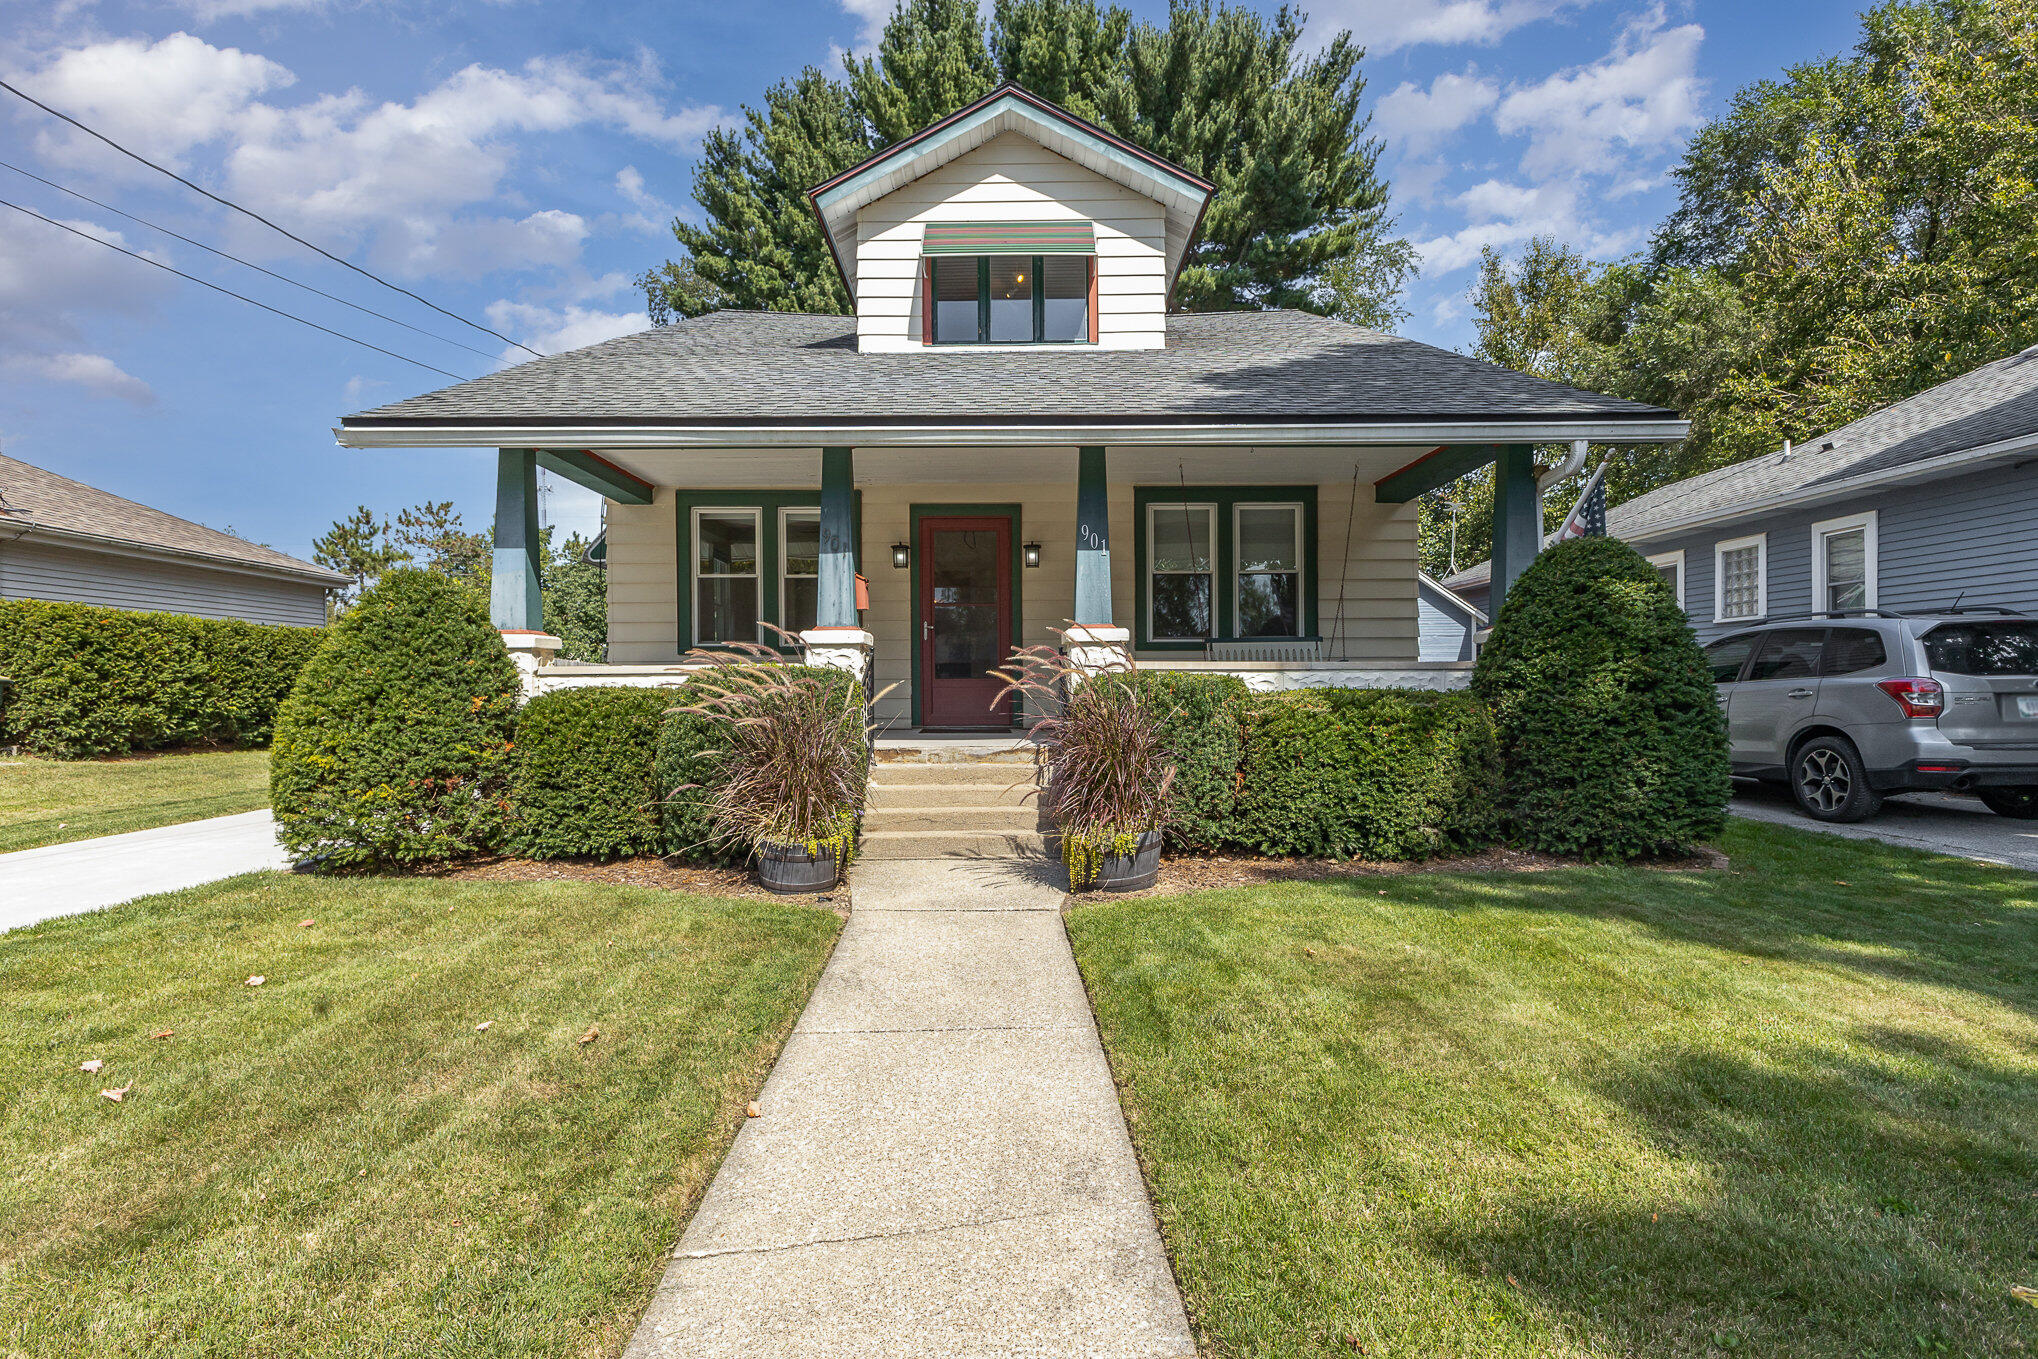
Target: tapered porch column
x,y
1094,643
515,603
1517,519
836,605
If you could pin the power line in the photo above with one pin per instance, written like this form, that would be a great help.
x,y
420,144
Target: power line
x,y
281,278
203,283
249,212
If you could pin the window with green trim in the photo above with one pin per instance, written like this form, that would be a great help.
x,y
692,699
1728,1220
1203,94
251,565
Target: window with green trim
x,y
748,559
1010,299
1224,563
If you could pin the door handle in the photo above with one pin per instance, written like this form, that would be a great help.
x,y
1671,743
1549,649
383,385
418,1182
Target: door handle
x,y
927,630
1801,693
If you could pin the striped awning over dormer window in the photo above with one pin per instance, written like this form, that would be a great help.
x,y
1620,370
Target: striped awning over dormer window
x,y
1011,238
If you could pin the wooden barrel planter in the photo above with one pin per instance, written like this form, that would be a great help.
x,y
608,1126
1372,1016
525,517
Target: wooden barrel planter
x,y
1134,871
790,869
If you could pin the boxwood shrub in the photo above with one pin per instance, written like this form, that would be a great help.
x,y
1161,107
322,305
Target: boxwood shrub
x,y
85,680
583,778
1612,736
1205,727
394,746
1367,773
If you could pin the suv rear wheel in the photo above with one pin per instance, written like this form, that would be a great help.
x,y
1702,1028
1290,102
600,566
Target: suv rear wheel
x,y
1830,782
2020,804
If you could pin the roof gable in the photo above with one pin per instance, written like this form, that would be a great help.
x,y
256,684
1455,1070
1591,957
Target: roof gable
x,y
1009,109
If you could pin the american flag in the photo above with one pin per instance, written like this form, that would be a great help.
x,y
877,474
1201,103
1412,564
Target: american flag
x,y
1588,517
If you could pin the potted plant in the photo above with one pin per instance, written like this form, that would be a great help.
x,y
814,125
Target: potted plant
x,y
1108,771
791,778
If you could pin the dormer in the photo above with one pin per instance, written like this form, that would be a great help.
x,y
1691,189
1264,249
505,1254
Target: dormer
x,y
1011,224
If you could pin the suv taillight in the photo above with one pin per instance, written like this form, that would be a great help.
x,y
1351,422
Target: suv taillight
x,y
1917,697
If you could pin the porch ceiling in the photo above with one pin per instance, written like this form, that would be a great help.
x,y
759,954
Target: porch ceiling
x,y
708,469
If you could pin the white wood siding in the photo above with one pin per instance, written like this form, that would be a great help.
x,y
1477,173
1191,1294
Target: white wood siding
x,y
643,587
37,570
1013,178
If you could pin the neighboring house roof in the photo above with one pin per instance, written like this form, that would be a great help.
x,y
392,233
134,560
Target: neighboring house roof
x,y
34,500
735,370
1009,108
1990,412
1449,598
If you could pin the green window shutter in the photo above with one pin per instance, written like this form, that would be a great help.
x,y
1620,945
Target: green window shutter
x,y
1010,238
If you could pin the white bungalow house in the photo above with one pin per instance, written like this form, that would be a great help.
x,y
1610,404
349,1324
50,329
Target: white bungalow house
x,y
1011,432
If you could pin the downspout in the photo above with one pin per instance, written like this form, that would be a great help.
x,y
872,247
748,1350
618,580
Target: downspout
x,y
1569,467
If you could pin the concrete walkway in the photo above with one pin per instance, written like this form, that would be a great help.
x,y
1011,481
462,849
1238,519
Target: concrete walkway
x,y
84,875
1943,823
941,1167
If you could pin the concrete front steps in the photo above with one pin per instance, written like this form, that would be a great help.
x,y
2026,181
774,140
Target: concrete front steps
x,y
948,800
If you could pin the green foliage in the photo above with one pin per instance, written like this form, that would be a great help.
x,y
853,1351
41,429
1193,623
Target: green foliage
x,y
394,747
1203,721
85,680
1612,739
576,597
432,535
1367,773
359,547
1223,90
583,778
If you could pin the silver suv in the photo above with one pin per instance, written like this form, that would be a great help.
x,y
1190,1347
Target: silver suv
x,y
1847,707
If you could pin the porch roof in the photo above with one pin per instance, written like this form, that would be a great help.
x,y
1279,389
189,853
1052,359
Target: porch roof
x,y
738,378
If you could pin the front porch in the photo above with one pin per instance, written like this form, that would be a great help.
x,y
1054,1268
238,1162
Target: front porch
x,y
1288,566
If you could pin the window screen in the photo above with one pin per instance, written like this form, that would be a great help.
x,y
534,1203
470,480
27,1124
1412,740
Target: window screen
x,y
1011,299
955,300
725,576
1065,291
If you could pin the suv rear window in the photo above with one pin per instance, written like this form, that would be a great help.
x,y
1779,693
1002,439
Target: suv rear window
x,y
1995,648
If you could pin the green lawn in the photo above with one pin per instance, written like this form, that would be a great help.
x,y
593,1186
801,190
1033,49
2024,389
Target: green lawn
x,y
1787,1110
47,802
338,1162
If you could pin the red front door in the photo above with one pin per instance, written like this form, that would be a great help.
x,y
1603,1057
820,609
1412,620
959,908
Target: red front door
x,y
965,619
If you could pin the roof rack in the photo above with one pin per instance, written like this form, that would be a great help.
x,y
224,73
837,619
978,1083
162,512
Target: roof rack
x,y
1847,613
1994,610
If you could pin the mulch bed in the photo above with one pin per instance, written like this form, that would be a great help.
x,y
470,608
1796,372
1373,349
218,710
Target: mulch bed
x,y
1201,873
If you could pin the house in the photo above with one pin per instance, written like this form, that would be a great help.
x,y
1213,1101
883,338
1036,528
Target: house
x,y
1011,432
1924,502
63,540
1448,625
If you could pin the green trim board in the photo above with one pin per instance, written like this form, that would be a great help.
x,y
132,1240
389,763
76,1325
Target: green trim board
x,y
1438,467
1010,238
942,511
769,503
1226,499
597,474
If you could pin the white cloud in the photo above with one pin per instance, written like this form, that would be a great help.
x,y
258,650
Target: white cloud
x,y
358,389
96,373
630,184
49,277
1642,96
552,330
1386,25
1416,120
871,15
212,11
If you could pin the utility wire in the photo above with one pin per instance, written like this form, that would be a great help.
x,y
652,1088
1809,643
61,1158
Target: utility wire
x,y
249,212
288,316
281,278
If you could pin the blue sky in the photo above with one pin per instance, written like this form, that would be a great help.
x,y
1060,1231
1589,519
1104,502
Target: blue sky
x,y
518,162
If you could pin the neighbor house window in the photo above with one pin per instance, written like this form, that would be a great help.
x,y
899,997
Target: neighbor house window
x,y
799,573
1670,566
1740,579
1843,563
1010,299
1224,562
725,575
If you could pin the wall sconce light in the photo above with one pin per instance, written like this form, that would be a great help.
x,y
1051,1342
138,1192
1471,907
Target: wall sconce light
x,y
1031,553
902,555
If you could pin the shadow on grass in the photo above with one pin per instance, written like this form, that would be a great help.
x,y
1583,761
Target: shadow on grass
x,y
1878,1203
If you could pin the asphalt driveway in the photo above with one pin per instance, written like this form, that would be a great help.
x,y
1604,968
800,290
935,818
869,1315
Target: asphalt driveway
x,y
1943,823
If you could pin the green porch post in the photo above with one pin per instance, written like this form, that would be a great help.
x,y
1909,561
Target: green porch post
x,y
835,606
1517,520
514,601
1093,539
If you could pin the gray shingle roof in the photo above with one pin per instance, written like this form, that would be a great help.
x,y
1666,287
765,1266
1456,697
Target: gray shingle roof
x,y
1996,401
760,368
39,498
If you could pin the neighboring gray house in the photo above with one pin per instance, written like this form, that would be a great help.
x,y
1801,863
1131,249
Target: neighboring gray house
x,y
1448,625
63,540
1930,499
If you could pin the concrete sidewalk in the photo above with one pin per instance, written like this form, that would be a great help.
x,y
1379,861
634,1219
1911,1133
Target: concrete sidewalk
x,y
941,1167
84,875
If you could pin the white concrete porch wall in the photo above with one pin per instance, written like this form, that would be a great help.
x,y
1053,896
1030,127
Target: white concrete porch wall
x,y
1013,178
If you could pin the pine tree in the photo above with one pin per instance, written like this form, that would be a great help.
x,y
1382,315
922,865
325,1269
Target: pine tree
x,y
357,547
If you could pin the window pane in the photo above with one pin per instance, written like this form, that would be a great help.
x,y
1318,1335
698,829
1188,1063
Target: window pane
x,y
2006,648
1846,569
802,546
1181,537
1011,298
1849,650
1740,585
1670,572
1066,281
1181,608
955,299
1266,538
801,594
1787,654
1726,657
728,609
1267,604
726,542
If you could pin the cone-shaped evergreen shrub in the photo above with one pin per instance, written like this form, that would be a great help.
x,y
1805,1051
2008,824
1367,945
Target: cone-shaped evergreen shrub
x,y
394,746
584,780
1611,737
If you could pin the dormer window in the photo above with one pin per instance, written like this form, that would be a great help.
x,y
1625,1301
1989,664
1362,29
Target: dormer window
x,y
1040,288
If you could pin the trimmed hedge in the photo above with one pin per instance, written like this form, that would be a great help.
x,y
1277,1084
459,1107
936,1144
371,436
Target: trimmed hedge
x,y
1367,773
1614,743
688,754
86,680
1205,727
584,779
395,745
